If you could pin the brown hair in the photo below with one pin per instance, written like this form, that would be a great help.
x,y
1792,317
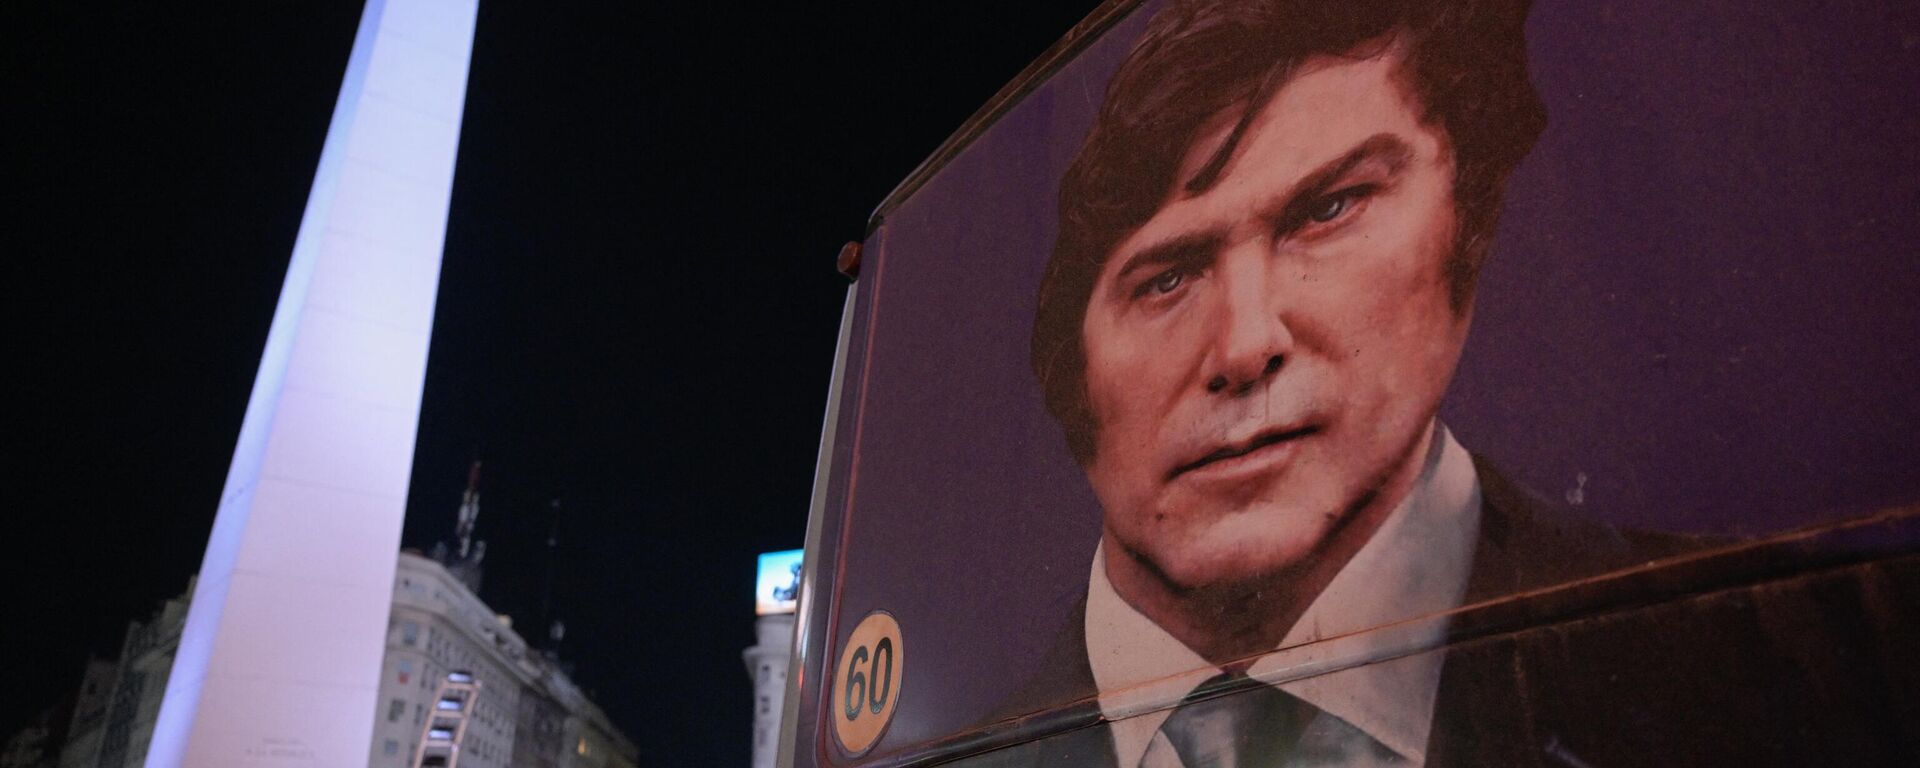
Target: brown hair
x,y
1466,61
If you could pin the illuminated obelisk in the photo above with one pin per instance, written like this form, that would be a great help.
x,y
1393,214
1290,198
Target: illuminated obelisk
x,y
279,662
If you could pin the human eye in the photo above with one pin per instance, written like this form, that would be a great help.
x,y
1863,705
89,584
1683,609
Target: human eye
x,y
1166,282
1163,284
1328,208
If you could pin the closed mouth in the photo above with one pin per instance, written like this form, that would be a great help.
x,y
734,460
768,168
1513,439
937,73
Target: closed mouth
x,y
1237,450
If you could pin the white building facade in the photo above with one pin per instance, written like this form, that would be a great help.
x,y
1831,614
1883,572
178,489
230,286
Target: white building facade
x,y
529,714
114,730
776,596
767,664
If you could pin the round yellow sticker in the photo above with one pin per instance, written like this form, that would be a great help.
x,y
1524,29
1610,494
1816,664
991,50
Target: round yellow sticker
x,y
866,684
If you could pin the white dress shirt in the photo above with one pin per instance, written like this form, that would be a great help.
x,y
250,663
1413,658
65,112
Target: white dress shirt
x,y
1377,708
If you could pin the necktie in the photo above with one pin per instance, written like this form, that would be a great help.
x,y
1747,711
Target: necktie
x,y
1253,728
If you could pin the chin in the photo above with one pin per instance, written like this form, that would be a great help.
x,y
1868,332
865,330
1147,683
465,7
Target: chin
x,y
1243,549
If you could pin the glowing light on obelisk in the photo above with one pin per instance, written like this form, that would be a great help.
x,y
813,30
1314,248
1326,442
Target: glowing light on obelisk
x,y
279,663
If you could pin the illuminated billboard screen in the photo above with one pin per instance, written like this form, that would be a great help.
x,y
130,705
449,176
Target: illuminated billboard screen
x,y
776,588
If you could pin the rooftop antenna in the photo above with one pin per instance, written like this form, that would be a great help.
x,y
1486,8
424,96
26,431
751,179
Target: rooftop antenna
x,y
469,511
555,629
465,562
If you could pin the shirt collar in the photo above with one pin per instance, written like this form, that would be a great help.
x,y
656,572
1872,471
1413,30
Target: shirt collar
x,y
1414,567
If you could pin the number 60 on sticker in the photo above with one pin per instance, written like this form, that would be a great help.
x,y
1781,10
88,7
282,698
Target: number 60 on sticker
x,y
866,684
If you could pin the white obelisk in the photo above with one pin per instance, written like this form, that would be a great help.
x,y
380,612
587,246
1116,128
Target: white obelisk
x,y
279,663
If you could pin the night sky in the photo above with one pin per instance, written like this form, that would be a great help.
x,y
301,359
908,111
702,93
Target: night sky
x,y
636,313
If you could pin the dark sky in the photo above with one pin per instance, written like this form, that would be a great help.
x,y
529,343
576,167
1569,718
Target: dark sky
x,y
636,314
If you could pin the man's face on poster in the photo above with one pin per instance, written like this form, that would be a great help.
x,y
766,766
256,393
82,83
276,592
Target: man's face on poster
x,y
1264,357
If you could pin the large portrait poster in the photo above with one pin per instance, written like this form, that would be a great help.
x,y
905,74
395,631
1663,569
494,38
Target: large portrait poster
x,y
1375,382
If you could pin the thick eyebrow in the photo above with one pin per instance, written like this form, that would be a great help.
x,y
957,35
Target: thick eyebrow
x,y
1385,148
1199,247
1190,248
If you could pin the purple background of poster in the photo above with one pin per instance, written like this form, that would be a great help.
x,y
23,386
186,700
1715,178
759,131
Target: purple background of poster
x,y
1701,299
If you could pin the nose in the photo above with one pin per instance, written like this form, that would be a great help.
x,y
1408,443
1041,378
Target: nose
x,y
1251,339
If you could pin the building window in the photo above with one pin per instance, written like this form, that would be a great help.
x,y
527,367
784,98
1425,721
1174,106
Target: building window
x,y
405,668
390,748
395,709
409,633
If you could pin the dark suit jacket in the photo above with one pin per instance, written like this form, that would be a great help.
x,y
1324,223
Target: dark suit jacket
x,y
1612,672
